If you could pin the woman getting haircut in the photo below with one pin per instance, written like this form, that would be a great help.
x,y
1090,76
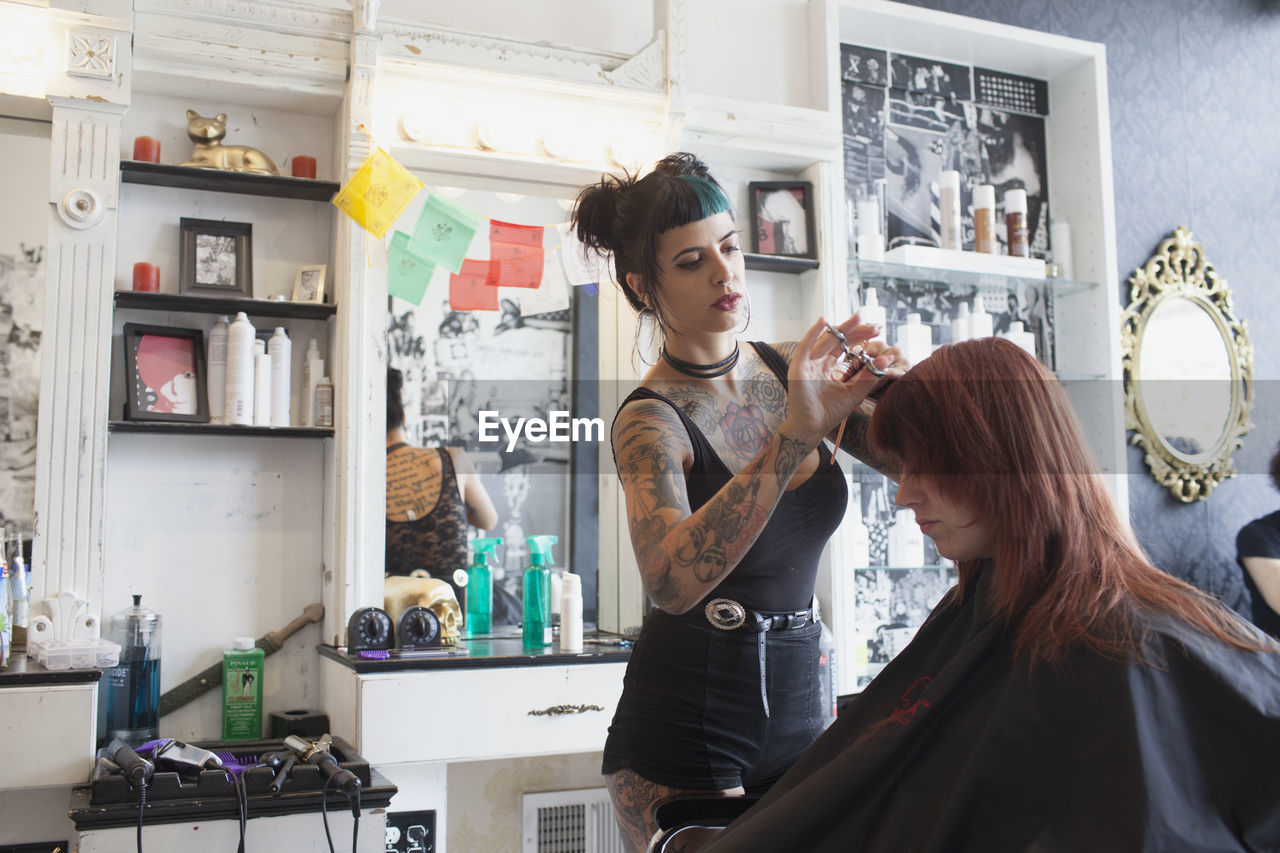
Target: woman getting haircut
x,y
730,499
1066,694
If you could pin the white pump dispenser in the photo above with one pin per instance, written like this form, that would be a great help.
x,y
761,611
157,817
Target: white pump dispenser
x,y
312,371
570,612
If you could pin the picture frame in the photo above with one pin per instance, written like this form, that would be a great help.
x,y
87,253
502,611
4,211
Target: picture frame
x,y
782,219
164,374
308,284
216,258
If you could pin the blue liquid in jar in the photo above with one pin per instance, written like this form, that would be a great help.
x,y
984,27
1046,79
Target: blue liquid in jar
x,y
130,706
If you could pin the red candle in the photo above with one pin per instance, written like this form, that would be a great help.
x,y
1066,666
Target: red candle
x,y
146,148
304,166
146,277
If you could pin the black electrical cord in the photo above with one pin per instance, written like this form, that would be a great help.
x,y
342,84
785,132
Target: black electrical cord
x,y
242,806
324,812
142,802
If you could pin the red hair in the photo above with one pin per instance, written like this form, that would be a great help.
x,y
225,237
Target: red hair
x,y
987,425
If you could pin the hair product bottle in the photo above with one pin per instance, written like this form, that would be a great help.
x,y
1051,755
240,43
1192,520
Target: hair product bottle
x,y
1060,238
479,615
1015,222
536,593
906,542
570,612
915,340
980,324
242,666
949,209
324,403
261,384
870,237
238,406
1020,336
984,219
129,693
960,326
280,348
872,312
217,366
312,372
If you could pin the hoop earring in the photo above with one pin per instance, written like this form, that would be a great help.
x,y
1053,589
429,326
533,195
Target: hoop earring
x,y
743,330
640,346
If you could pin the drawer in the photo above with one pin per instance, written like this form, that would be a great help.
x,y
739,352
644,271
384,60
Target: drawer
x,y
47,734
486,713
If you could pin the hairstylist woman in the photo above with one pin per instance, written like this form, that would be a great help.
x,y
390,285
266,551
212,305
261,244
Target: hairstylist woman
x,y
730,499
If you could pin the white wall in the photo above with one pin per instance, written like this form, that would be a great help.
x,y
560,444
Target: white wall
x,y
753,50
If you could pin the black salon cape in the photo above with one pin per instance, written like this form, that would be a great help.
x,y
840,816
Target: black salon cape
x,y
974,754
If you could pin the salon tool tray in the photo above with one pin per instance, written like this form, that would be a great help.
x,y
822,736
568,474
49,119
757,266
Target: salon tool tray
x,y
110,802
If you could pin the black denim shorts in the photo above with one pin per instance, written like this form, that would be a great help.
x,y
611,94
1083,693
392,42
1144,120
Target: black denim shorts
x,y
692,716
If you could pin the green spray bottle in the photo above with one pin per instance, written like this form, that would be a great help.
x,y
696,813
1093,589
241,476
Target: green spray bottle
x,y
479,618
537,593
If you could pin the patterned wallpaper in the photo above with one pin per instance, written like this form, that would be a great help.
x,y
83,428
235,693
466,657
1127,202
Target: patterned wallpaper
x,y
1194,118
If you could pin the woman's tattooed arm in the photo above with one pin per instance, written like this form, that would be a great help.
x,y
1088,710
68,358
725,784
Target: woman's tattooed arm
x,y
682,554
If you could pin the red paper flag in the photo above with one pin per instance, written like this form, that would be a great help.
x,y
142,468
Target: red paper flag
x,y
467,290
515,255
525,236
514,266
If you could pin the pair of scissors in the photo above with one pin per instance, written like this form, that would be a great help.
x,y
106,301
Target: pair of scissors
x,y
858,359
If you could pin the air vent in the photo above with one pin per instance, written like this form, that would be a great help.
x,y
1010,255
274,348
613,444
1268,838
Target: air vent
x,y
578,821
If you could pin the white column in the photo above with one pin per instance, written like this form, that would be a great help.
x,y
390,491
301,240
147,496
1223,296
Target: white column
x,y
355,556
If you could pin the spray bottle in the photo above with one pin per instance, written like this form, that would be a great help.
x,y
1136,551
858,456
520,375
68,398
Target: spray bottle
x,y
537,592
479,618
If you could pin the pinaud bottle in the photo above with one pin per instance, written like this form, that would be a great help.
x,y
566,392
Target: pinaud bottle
x,y
479,618
536,592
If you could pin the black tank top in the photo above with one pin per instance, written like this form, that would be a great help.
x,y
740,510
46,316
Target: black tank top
x,y
780,569
436,542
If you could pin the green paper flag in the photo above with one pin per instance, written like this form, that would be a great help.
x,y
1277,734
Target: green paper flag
x,y
443,232
407,274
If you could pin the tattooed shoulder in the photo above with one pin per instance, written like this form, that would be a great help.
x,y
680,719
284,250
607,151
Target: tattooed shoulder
x,y
786,350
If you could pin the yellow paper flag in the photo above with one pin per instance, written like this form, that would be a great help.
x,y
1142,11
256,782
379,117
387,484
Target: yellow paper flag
x,y
377,193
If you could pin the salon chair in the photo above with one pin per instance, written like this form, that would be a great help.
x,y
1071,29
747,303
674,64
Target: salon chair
x,y
686,823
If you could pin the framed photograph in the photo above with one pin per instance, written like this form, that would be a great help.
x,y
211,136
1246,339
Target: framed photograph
x,y
164,374
308,286
216,258
782,218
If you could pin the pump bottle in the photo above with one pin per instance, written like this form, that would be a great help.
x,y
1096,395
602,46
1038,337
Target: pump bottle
x,y
872,312
537,592
570,613
479,618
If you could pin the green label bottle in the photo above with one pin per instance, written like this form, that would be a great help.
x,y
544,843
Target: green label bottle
x,y
242,668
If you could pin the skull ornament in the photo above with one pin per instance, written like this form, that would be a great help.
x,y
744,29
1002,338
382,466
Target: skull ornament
x,y
399,593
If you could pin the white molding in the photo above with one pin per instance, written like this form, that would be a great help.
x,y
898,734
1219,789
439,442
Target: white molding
x,y
762,136
646,70
284,17
90,53
414,43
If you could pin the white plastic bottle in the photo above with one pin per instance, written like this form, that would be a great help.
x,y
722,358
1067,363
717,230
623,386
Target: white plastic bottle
x,y
857,539
238,404
870,242
261,384
949,210
872,311
323,405
280,348
570,612
980,323
217,370
312,371
906,542
1021,337
915,340
960,325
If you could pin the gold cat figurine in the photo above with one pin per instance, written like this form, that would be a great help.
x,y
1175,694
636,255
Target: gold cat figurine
x,y
210,153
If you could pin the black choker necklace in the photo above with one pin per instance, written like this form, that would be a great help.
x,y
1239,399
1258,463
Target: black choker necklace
x,y
702,371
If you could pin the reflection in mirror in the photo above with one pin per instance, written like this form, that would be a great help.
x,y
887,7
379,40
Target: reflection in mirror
x,y
24,228
476,359
1185,376
1188,369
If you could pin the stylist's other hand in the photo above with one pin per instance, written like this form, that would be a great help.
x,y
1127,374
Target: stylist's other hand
x,y
818,398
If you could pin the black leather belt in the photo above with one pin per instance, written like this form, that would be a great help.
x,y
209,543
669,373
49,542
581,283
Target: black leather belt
x,y
728,615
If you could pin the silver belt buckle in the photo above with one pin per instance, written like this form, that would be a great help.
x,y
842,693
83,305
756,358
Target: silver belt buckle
x,y
726,614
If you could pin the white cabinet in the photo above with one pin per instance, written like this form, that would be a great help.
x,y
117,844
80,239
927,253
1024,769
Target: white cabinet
x,y
457,714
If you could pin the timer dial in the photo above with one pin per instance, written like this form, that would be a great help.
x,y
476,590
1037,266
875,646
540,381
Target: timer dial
x,y
370,629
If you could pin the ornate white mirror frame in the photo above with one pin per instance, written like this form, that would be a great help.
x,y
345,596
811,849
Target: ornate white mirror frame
x,y
1188,369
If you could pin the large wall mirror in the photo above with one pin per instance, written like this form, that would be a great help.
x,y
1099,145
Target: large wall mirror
x,y
24,232
519,353
1188,369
